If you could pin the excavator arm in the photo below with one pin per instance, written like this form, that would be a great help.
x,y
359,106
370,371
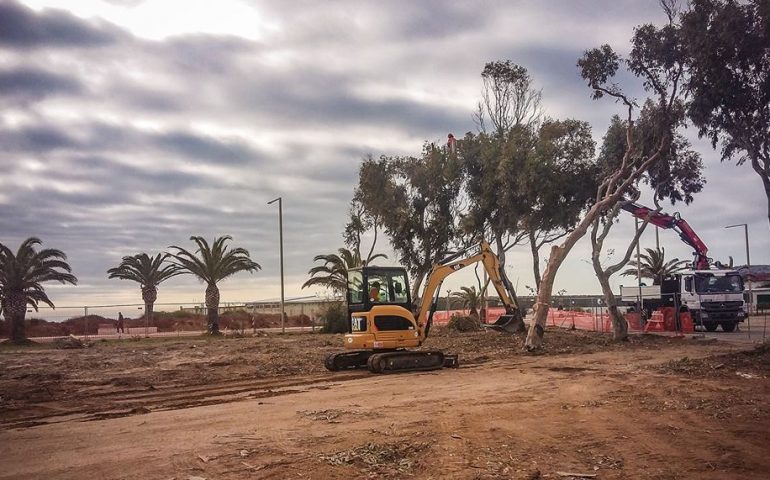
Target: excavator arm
x,y
481,253
679,225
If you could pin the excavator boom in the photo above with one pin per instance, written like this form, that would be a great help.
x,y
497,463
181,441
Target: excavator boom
x,y
513,319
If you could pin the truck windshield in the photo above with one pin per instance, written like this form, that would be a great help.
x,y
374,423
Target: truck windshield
x,y
706,283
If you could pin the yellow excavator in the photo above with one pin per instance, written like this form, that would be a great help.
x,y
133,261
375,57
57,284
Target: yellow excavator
x,y
382,324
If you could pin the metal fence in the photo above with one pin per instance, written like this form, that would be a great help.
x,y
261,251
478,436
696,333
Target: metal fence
x,y
167,319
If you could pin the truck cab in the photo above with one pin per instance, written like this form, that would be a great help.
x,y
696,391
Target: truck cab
x,y
713,297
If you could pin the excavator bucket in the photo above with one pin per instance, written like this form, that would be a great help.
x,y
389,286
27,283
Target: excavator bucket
x,y
508,323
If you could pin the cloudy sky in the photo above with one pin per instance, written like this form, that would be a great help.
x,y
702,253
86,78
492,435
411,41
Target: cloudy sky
x,y
127,126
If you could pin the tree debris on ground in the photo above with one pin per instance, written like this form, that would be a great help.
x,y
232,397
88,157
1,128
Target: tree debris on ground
x,y
381,460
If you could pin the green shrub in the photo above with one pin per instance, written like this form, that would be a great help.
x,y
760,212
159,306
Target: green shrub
x,y
335,318
460,323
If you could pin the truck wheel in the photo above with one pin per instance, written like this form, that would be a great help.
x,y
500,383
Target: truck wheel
x,y
728,326
710,327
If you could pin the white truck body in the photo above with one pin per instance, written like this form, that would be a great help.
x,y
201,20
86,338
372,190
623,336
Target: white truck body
x,y
713,297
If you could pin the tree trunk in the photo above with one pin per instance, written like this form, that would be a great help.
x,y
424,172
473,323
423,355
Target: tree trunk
x,y
544,293
503,274
535,259
212,305
148,311
416,288
619,324
15,309
764,174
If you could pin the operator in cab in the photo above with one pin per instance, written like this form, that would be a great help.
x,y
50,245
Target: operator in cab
x,y
374,292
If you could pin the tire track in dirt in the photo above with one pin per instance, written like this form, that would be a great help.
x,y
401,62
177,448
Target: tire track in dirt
x,y
113,404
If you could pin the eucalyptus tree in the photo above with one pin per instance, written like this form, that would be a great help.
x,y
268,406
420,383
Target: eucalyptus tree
x,y
557,184
528,177
22,275
494,163
212,264
415,200
677,177
148,272
660,78
725,45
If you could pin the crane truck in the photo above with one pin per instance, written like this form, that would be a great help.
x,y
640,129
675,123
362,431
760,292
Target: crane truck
x,y
711,293
383,324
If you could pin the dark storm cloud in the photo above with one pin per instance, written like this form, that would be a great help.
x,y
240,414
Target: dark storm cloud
x,y
205,54
22,27
26,84
204,148
329,99
435,19
146,99
111,138
35,139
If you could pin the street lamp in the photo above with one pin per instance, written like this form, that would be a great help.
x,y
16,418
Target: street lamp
x,y
280,236
748,264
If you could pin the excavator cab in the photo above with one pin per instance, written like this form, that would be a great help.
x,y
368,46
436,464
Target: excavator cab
x,y
380,310
370,286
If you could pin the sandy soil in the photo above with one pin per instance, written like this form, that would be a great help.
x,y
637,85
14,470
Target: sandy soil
x,y
264,407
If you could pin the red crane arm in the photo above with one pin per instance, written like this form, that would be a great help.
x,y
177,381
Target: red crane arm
x,y
680,226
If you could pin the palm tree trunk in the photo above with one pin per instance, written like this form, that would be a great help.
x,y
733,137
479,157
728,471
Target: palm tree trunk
x,y
149,295
212,304
148,320
15,308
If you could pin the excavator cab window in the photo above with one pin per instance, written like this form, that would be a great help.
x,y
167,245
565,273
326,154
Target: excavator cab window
x,y
399,291
378,289
355,286
369,286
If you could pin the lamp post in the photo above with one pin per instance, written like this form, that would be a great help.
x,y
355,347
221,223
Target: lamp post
x,y
280,236
748,265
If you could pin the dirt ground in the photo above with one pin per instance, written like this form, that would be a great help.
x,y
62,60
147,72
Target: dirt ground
x,y
264,407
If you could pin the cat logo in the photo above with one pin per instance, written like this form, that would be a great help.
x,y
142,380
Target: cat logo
x,y
457,267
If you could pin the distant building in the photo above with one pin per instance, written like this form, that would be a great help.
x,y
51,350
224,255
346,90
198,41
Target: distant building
x,y
310,305
758,278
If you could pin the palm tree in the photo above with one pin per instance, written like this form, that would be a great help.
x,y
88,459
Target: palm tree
x,y
471,299
21,279
213,264
148,272
654,266
333,274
